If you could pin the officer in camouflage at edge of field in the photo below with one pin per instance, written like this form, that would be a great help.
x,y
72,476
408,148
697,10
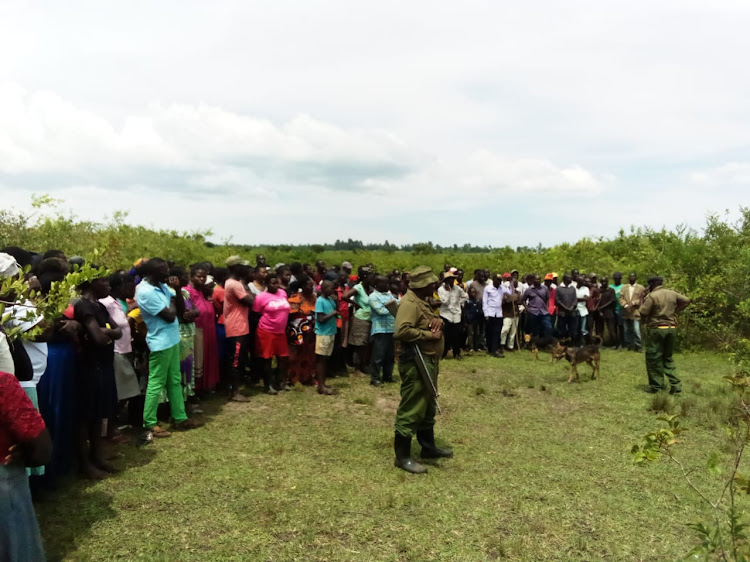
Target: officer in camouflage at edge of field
x,y
416,324
659,312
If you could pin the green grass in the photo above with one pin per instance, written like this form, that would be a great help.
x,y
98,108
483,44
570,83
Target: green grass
x,y
542,471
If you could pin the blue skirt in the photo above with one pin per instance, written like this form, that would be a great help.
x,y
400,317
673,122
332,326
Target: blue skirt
x,y
56,394
20,540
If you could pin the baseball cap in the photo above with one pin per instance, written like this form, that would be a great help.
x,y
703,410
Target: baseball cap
x,y
346,265
506,275
549,277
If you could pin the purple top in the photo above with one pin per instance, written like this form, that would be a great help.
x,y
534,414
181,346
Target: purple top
x,y
536,299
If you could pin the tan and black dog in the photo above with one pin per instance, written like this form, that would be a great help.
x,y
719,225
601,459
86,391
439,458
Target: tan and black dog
x,y
578,355
545,343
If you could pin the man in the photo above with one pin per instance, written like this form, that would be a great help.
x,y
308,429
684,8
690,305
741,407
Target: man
x,y
574,275
567,301
460,279
383,306
160,307
492,307
606,309
617,286
510,313
659,311
238,302
479,284
536,299
416,325
582,296
346,267
452,299
631,298
260,260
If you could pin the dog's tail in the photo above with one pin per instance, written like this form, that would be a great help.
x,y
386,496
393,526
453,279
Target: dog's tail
x,y
597,341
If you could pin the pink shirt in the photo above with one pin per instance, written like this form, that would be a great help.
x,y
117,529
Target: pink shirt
x,y
235,311
274,309
125,343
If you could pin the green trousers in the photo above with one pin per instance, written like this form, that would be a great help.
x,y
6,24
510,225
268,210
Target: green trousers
x,y
164,371
417,408
659,362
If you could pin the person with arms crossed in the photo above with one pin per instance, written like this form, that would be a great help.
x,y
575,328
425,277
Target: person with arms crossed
x,y
417,325
659,311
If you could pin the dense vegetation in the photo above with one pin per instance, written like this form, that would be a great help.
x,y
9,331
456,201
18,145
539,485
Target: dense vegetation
x,y
711,265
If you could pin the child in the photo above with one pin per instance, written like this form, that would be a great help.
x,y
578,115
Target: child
x,y
473,317
326,313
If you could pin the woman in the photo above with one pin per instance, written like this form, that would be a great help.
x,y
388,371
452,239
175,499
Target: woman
x,y
302,338
258,283
273,308
187,336
206,349
24,441
97,390
125,377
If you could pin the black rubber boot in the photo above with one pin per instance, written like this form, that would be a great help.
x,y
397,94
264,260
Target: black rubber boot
x,y
402,447
426,438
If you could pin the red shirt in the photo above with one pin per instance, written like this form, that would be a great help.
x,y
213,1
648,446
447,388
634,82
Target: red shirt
x,y
19,420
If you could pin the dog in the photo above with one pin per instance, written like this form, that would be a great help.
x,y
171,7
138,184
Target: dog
x,y
588,354
545,343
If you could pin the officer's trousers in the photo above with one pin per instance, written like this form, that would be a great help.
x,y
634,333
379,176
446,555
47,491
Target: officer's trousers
x,y
659,362
417,408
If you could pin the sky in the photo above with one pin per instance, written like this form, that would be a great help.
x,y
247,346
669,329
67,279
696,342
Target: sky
x,y
484,122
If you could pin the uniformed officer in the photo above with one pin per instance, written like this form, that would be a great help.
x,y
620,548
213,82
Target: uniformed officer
x,y
417,324
659,312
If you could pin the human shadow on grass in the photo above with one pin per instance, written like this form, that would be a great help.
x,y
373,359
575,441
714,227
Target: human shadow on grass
x,y
67,522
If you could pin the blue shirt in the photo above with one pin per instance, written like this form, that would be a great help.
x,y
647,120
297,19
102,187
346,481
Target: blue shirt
x,y
152,300
325,306
383,322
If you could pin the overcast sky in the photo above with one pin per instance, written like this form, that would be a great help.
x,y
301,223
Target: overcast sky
x,y
490,122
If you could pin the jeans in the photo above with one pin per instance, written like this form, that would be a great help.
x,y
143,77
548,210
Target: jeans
x,y
383,357
582,325
508,334
632,332
538,325
494,328
164,371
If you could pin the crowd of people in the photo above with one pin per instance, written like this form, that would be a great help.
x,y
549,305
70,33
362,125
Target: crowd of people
x,y
138,347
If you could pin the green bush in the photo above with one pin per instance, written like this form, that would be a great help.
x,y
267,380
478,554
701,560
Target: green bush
x,y
709,266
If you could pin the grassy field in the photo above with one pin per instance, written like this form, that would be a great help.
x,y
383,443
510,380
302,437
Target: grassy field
x,y
542,471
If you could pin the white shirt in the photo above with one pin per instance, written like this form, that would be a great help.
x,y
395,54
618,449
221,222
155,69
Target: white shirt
x,y
25,316
451,302
581,293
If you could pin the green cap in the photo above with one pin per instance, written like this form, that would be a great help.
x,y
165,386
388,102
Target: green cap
x,y
236,260
421,277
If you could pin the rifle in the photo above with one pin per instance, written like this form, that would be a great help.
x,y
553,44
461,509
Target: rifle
x,y
422,368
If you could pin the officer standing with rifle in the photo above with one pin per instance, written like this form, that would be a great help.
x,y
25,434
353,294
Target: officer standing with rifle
x,y
420,332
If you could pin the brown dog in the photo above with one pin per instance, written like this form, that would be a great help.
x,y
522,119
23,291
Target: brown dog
x,y
578,355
